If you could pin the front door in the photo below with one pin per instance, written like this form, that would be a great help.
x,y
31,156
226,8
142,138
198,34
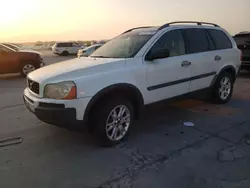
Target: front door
x,y
8,61
168,77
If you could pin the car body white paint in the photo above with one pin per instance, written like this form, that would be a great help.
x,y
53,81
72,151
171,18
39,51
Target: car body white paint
x,y
91,75
70,49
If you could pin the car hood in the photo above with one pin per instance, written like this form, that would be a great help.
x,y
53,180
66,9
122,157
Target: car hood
x,y
30,51
75,68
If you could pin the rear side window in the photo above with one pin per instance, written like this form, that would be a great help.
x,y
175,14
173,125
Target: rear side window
x,y
196,40
220,39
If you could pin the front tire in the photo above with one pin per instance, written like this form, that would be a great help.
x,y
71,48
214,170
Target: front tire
x,y
223,88
113,120
26,68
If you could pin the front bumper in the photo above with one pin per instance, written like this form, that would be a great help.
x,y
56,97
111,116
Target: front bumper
x,y
56,112
42,64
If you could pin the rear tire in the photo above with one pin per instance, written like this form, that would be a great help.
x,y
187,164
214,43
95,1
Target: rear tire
x,y
223,88
65,53
113,120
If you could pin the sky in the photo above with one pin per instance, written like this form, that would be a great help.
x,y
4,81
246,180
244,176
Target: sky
x,y
47,20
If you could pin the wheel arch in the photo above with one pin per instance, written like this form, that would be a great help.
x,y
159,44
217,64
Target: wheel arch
x,y
129,90
228,68
23,62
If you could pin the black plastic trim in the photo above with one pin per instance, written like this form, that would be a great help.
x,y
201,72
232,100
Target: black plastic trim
x,y
57,116
109,89
180,81
51,105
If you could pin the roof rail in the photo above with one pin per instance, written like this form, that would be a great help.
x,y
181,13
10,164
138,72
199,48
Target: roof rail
x,y
194,22
137,28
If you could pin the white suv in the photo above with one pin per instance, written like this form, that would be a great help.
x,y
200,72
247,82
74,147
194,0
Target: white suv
x,y
66,48
139,67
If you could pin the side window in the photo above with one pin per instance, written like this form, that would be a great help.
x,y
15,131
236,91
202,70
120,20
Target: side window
x,y
173,41
75,45
69,44
197,40
59,45
220,39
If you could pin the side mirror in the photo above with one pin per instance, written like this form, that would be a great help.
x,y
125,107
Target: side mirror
x,y
159,54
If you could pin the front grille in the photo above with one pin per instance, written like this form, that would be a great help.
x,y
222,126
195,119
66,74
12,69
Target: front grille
x,y
33,86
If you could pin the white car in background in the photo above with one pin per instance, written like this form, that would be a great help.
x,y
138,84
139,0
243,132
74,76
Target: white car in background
x,y
38,46
21,49
66,48
88,51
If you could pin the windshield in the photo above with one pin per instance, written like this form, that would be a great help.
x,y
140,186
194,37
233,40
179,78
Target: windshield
x,y
15,48
124,46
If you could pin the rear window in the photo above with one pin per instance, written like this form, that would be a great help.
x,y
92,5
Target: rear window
x,y
197,40
220,39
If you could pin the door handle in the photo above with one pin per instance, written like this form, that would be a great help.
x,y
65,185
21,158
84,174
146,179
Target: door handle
x,y
217,58
185,63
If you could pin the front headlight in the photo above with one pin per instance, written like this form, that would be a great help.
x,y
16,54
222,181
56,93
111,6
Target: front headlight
x,y
62,90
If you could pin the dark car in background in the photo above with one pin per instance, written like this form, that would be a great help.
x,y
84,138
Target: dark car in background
x,y
242,40
15,61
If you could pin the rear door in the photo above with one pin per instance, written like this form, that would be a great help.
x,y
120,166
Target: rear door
x,y
225,54
201,56
75,47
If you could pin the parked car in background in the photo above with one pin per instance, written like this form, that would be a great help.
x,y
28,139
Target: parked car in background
x,y
38,46
243,42
88,51
20,49
49,47
139,67
15,61
66,48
